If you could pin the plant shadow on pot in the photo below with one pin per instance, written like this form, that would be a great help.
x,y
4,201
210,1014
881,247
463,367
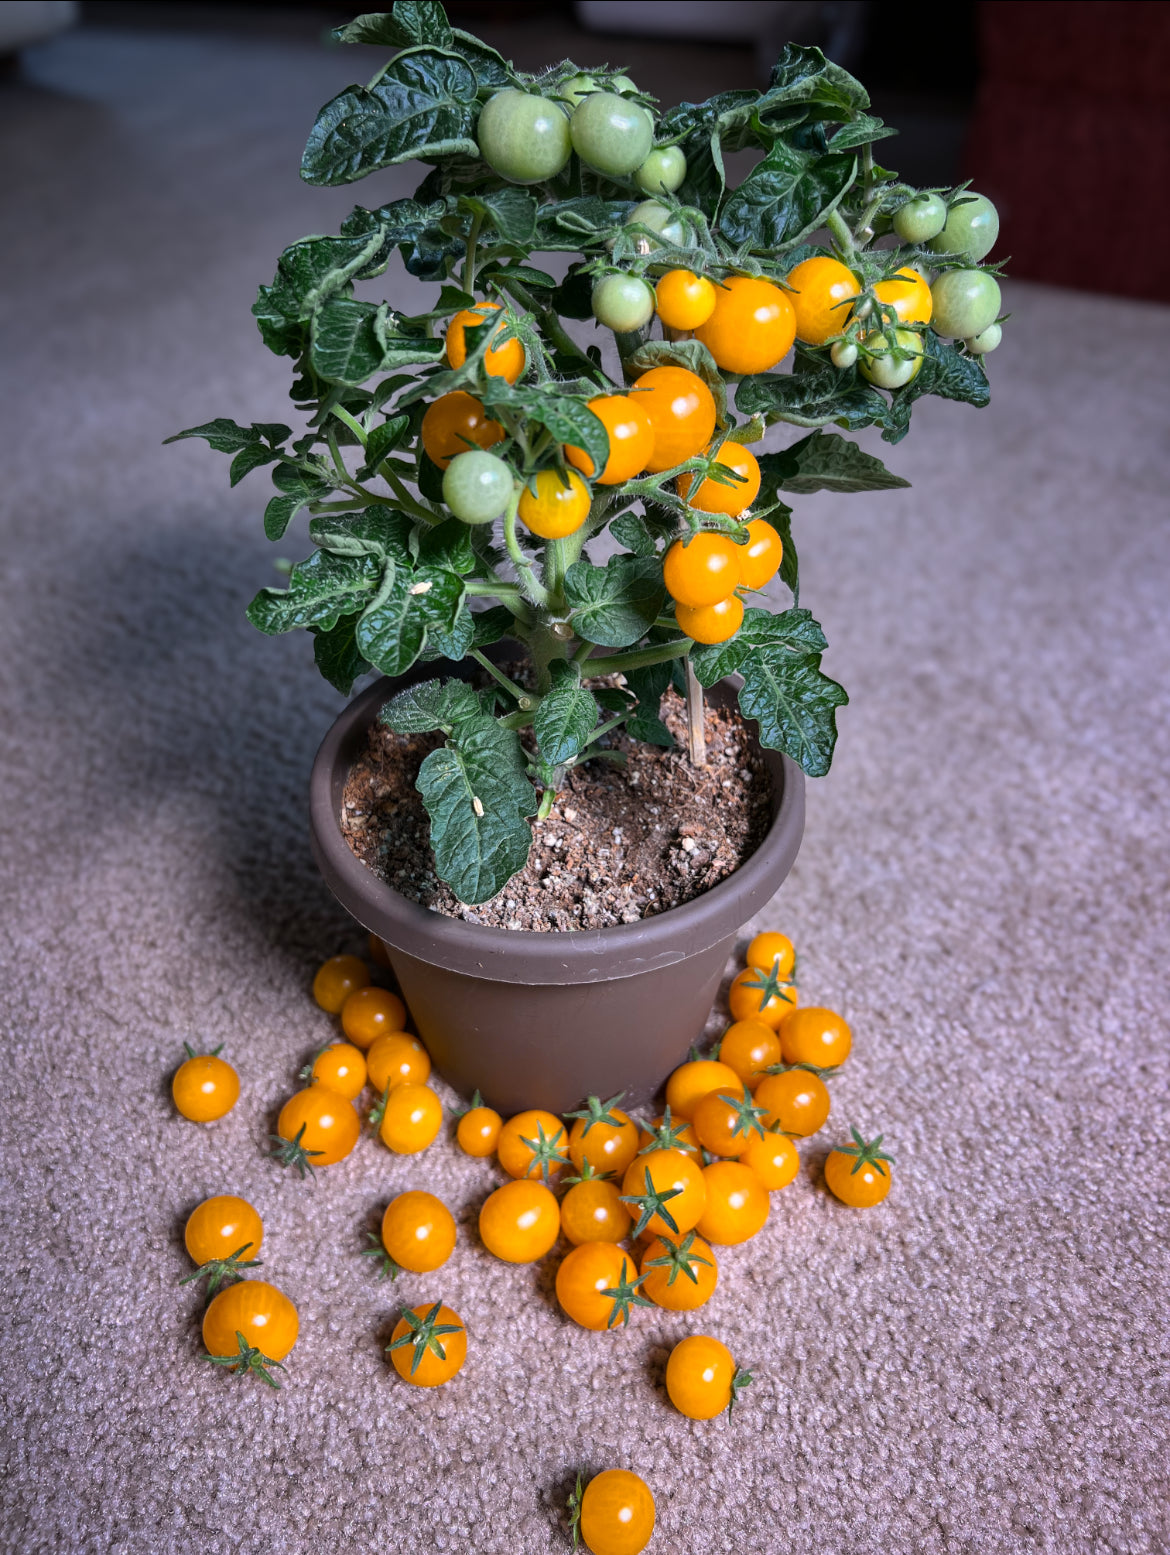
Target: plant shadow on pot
x,y
535,1019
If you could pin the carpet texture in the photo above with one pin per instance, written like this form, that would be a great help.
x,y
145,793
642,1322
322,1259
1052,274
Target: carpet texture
x,y
980,1366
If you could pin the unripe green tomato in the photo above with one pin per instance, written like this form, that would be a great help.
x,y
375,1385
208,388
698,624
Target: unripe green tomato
x,y
622,85
965,303
891,372
523,138
664,169
652,214
477,487
577,88
623,303
987,340
920,219
971,227
843,354
611,134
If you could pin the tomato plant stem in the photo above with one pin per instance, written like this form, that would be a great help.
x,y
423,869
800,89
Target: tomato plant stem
x,y
638,658
529,586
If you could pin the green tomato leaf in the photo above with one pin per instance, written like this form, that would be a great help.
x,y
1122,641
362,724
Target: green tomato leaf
x,y
795,705
410,22
393,629
297,491
826,461
649,685
308,274
572,224
566,716
613,606
492,625
512,212
382,440
945,371
375,531
785,197
449,545
424,106
414,229
813,398
228,437
781,522
453,643
691,354
492,70
793,631
802,74
320,591
336,654
630,530
432,704
861,132
251,458
352,340
569,420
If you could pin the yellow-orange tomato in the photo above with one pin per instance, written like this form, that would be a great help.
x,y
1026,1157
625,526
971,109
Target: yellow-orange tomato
x,y
702,1378
264,1316
737,1203
796,1101
520,1221
418,1232
478,1131
221,1226
859,1174
631,440
682,412
341,1067
336,979
821,291
713,496
412,1116
533,1144
679,1275
668,1133
454,423
749,1047
428,1345
506,360
773,1159
319,1128
397,1059
665,1191
370,1013
771,952
760,558
604,1136
557,507
205,1087
751,327
615,1515
815,1036
908,294
754,995
592,1211
596,1285
703,569
684,300
726,1121
691,1081
711,623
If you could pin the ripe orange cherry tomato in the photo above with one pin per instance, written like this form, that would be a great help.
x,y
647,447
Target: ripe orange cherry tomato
x,y
205,1087
506,360
737,1203
821,291
773,1159
684,300
711,623
592,1211
703,569
695,1079
668,1133
749,1047
679,1276
702,1378
370,1013
760,996
597,1283
818,1037
751,327
418,1233
727,1121
397,1059
631,440
260,1316
682,412
771,952
316,1127
796,1101
454,423
520,1221
859,1174
340,1067
557,507
665,1191
412,1116
714,497
336,979
604,1136
908,294
224,1232
479,1128
533,1144
614,1515
760,558
428,1345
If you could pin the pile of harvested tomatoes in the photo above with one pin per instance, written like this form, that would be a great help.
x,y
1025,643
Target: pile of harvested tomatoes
x,y
645,1204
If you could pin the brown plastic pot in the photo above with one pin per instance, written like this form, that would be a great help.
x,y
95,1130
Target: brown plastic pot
x,y
545,1019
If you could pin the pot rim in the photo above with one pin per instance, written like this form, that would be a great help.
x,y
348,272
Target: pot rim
x,y
535,956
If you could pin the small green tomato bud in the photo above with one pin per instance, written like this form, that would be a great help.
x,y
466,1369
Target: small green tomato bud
x,y
843,354
987,340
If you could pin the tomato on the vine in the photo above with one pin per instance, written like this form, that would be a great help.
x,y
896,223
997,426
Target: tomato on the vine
x,y
986,340
249,1327
691,1081
397,1059
859,1173
711,623
682,412
205,1087
611,134
921,218
520,1221
340,1067
631,440
749,1047
909,296
736,1206
751,327
679,1276
222,1235
891,364
614,1514
966,302
702,569
773,1158
971,227
662,172
455,423
665,1192
760,558
336,979
418,1233
369,1013
795,1100
597,1284
761,996
428,1345
478,1130
523,137
316,1127
603,1136
702,1378
684,300
815,1036
623,303
713,496
725,1122
662,221
822,289
558,506
477,486
507,360
412,1116
592,1210
533,1144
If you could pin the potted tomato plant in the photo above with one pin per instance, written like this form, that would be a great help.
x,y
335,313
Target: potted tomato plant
x,y
457,464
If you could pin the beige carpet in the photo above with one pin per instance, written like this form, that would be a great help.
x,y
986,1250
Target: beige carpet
x,y
982,1365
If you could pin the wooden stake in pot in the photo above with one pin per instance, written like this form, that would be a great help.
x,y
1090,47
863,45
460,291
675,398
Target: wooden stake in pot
x,y
696,718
